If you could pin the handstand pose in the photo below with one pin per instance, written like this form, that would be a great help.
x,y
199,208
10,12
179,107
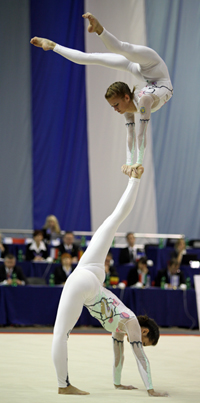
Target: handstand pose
x,y
143,63
84,288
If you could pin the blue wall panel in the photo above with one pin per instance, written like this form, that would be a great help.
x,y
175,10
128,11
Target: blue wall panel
x,y
60,149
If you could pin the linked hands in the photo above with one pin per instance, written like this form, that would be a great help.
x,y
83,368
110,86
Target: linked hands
x,y
130,170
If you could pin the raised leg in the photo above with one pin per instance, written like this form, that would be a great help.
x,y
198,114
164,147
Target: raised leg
x,y
135,53
103,237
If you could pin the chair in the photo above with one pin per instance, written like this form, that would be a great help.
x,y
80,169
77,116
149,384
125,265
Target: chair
x,y
194,243
171,242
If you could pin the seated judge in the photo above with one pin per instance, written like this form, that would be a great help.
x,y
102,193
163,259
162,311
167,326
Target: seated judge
x,y
10,273
3,248
62,272
51,229
166,275
128,254
68,246
111,274
137,275
37,251
179,250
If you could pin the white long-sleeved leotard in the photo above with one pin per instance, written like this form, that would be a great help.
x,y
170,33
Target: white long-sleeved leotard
x,y
84,288
144,63
115,317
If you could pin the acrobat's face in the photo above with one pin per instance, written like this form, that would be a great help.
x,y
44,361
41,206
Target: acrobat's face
x,y
145,340
120,105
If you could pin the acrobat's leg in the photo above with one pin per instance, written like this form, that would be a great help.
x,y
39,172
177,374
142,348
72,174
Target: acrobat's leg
x,y
110,60
77,288
135,53
103,237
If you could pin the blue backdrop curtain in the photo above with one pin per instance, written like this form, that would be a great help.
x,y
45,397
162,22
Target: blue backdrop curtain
x,y
60,149
173,30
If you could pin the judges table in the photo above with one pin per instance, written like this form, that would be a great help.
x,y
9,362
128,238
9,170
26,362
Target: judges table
x,y
37,305
44,270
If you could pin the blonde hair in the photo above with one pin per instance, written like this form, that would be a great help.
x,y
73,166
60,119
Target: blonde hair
x,y
179,241
119,89
53,218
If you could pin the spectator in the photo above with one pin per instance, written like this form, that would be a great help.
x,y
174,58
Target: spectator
x,y
179,250
167,275
128,254
63,271
3,248
37,251
10,273
138,274
51,229
68,246
110,271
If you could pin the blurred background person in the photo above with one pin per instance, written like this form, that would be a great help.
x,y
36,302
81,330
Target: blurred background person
x,y
137,276
3,248
68,246
179,250
11,274
62,272
111,274
128,254
37,250
171,276
51,229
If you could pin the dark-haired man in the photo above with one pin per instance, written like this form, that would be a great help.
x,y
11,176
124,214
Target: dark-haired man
x,y
10,273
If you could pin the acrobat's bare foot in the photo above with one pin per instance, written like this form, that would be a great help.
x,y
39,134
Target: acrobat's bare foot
x,y
137,173
71,390
43,43
94,24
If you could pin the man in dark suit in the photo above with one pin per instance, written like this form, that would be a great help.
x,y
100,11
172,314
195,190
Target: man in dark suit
x,y
3,248
68,246
165,275
128,254
137,275
10,273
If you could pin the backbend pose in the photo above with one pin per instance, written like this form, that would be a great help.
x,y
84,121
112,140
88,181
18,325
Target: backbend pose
x,y
141,61
84,288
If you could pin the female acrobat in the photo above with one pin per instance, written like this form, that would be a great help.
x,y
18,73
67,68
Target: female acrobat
x,y
141,61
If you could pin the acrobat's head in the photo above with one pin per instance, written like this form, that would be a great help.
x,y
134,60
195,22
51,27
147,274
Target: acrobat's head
x,y
120,97
149,329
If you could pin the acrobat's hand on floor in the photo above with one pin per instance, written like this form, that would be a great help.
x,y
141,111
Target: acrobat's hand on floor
x,y
124,387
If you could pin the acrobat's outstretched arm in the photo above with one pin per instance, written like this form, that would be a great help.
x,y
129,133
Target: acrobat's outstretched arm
x,y
118,349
